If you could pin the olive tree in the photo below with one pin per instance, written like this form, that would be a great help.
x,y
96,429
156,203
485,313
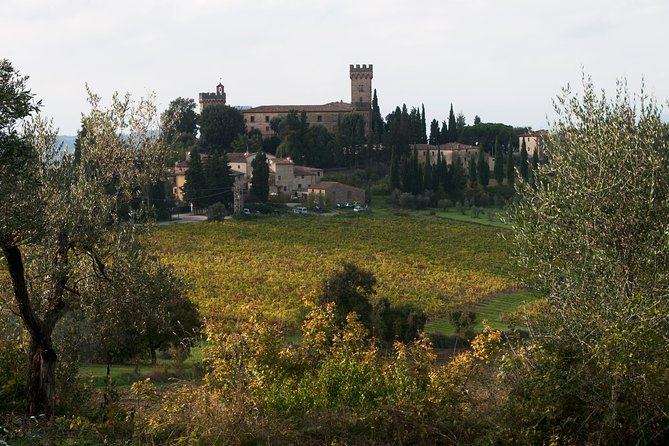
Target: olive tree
x,y
593,236
59,222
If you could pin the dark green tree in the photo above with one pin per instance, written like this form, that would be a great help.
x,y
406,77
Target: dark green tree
x,y
509,165
350,288
394,172
195,186
524,167
477,120
219,126
435,136
452,127
483,169
423,126
499,164
260,185
179,121
427,173
377,121
472,173
219,182
457,176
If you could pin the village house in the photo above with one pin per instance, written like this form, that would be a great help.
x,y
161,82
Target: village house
x,y
449,151
334,193
532,142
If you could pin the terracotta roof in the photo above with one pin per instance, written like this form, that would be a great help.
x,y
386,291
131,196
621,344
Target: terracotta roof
x,y
236,157
303,170
537,133
343,107
325,185
281,161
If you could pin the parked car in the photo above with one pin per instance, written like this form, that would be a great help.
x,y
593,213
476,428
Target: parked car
x,y
359,209
246,211
300,210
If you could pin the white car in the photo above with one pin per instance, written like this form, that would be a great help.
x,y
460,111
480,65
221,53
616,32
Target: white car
x,y
359,209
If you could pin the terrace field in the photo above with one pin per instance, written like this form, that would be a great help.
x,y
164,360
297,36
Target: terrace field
x,y
272,263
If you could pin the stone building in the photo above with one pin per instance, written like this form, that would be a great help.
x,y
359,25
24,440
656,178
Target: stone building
x,y
326,115
334,192
218,98
533,142
448,151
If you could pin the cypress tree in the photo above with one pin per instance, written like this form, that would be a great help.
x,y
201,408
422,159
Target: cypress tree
x,y
219,181
524,168
405,174
423,132
483,169
417,178
452,127
260,186
394,171
499,164
456,175
427,173
535,159
443,135
195,182
434,133
510,172
472,173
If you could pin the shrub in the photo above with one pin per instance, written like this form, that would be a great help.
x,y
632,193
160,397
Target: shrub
x,y
444,204
216,212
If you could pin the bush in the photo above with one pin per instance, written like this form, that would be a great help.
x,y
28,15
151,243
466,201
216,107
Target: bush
x,y
216,212
444,204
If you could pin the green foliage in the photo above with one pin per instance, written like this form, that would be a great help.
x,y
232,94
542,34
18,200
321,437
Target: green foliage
x,y
349,289
592,235
260,186
483,169
219,127
179,122
524,167
498,168
217,212
463,321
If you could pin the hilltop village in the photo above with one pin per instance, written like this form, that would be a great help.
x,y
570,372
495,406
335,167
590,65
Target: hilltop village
x,y
304,145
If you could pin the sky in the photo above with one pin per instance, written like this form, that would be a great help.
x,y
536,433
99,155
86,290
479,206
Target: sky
x,y
504,61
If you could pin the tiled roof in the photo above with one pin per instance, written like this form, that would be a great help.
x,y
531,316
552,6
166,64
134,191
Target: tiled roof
x,y
281,161
236,157
329,107
303,170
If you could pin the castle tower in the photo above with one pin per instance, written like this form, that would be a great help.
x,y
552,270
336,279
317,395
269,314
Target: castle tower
x,y
218,98
361,91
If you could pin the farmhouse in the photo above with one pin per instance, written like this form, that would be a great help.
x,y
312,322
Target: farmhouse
x,y
533,142
334,192
449,151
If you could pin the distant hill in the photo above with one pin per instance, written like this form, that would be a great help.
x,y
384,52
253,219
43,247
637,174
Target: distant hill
x,y
66,141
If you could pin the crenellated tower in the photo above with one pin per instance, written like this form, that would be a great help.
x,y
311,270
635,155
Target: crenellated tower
x,y
361,91
218,98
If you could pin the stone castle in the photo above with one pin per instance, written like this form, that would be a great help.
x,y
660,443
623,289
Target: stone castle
x,y
327,115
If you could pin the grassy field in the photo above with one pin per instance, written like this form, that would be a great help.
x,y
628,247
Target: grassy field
x,y
272,263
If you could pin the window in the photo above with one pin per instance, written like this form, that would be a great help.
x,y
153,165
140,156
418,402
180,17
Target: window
x,y
253,119
285,188
361,88
319,118
266,129
279,177
299,186
302,176
266,118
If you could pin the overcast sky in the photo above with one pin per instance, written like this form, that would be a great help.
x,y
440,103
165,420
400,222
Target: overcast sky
x,y
502,60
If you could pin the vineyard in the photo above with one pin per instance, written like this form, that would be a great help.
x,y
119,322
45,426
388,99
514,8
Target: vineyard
x,y
272,263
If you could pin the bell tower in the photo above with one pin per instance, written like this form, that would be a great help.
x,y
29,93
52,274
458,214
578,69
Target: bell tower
x,y
361,91
218,98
